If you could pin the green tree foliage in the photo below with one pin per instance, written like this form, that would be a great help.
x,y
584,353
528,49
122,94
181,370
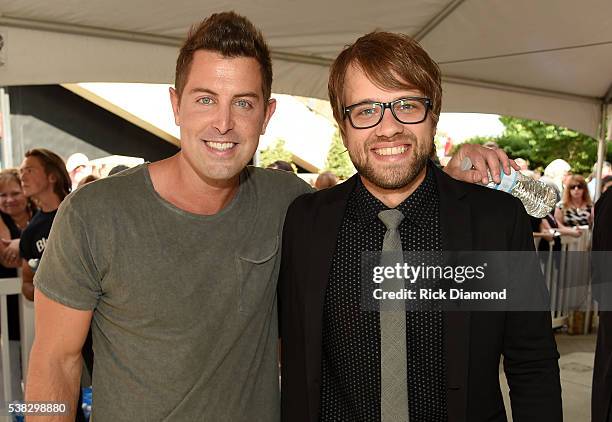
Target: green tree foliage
x,y
540,143
275,151
338,160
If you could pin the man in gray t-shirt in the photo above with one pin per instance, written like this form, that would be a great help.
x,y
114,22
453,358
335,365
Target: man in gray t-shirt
x,y
185,307
180,276
174,263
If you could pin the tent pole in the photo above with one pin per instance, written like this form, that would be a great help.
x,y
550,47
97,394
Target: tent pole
x,y
601,148
6,148
604,129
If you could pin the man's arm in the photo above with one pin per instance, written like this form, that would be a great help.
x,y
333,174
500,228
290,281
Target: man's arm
x,y
27,280
55,360
530,352
4,230
483,159
9,253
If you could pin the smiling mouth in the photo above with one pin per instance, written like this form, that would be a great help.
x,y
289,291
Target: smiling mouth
x,y
391,150
220,146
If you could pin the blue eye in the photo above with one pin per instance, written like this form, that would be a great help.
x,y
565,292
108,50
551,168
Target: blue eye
x,y
408,106
243,104
205,100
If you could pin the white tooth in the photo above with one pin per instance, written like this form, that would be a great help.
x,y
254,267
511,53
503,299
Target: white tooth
x,y
220,146
391,150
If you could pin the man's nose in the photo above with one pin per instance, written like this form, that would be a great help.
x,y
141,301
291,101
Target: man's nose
x,y
389,126
224,120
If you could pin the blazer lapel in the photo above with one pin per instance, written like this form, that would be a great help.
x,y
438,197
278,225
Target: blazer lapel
x,y
326,225
456,236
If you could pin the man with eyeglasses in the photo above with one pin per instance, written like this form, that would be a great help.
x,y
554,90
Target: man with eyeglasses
x,y
344,362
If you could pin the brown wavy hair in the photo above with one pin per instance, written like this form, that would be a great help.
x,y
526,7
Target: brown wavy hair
x,y
53,164
390,61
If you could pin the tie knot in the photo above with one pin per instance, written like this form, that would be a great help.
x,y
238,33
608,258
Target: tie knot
x,y
391,218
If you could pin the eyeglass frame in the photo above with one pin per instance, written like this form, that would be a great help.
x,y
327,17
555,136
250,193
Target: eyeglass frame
x,y
389,105
572,187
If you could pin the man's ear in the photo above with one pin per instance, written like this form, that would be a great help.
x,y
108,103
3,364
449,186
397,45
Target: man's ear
x,y
176,103
342,136
269,112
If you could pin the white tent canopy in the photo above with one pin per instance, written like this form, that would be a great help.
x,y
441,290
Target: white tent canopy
x,y
546,60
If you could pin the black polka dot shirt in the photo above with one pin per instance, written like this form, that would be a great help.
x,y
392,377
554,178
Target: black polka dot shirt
x,y
350,389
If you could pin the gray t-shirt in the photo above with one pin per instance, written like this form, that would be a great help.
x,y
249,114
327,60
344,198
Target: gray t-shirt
x,y
184,324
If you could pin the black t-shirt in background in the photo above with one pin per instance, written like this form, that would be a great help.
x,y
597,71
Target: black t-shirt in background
x,y
15,233
34,237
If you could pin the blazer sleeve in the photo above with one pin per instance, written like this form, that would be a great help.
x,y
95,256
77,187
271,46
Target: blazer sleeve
x,y
284,276
294,403
530,352
601,410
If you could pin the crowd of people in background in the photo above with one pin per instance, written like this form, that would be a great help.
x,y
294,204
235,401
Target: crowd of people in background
x,y
29,198
574,193
31,194
575,198
574,209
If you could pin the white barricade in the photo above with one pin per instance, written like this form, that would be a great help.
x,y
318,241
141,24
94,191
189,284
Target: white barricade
x,y
568,277
11,286
8,286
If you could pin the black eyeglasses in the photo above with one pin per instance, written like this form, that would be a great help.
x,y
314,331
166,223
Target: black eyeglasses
x,y
367,114
576,187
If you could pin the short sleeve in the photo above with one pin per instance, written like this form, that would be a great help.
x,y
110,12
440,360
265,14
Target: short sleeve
x,y
67,272
24,243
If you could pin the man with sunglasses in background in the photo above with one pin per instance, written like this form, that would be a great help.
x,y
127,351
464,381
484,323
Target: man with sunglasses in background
x,y
344,362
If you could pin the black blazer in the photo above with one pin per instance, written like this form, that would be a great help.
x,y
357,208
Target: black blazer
x,y
472,218
602,371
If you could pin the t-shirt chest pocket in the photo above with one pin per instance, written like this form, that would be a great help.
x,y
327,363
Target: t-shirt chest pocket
x,y
257,272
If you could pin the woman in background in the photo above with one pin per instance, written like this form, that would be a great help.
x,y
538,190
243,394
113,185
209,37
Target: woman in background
x,y
15,209
15,213
576,206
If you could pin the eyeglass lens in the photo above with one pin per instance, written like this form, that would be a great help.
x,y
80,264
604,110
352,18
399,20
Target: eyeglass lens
x,y
404,110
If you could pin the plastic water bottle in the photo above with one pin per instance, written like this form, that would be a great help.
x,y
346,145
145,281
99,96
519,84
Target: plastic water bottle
x,y
87,401
33,264
538,198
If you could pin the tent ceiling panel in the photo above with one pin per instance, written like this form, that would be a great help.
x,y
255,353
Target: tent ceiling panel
x,y
325,34
51,59
483,28
276,19
582,116
560,47
570,71
306,80
151,17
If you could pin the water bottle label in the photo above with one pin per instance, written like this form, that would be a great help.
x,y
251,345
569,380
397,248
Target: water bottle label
x,y
508,181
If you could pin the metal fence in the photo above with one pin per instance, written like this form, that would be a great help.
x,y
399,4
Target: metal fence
x,y
568,276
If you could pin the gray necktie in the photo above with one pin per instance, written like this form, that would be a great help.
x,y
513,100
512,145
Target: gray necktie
x,y
393,372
